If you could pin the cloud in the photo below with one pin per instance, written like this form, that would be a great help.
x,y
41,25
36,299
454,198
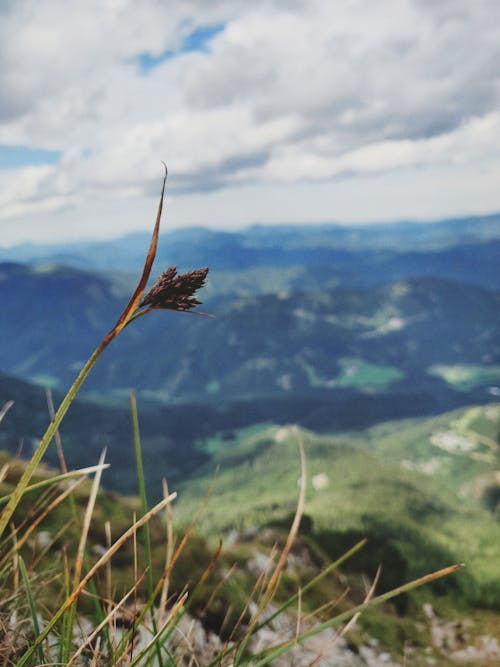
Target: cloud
x,y
239,93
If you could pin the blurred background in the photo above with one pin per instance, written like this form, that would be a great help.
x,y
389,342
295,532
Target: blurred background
x,y
336,165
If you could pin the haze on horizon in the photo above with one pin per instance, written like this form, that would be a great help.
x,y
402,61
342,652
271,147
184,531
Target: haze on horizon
x,y
351,111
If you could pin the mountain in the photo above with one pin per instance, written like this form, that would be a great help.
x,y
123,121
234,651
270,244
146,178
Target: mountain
x,y
353,340
331,328
408,337
297,255
127,252
168,437
424,491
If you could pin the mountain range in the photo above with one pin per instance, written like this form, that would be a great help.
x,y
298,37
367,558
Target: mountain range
x,y
326,326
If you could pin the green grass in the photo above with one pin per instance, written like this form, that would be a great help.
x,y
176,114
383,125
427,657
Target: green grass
x,y
359,373
355,373
467,376
389,480
190,563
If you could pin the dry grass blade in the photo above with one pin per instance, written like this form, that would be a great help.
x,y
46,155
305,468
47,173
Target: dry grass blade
x,y
57,435
3,471
168,570
36,522
159,586
176,610
87,519
257,585
108,572
6,407
227,576
134,300
210,567
118,544
267,656
113,610
52,481
274,581
341,633
328,606
185,538
333,566
83,583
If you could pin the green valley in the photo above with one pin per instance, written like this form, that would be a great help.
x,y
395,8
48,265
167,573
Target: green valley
x,y
425,487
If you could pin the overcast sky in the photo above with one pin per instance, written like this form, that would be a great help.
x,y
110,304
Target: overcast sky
x,y
265,111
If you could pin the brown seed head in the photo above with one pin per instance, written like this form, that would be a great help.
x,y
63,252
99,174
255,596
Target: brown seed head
x,y
174,291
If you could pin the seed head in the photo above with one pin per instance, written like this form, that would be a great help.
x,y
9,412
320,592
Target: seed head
x,y
174,291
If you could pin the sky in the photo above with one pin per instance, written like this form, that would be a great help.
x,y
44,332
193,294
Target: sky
x,y
265,112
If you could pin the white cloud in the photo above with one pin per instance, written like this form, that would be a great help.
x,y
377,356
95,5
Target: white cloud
x,y
303,95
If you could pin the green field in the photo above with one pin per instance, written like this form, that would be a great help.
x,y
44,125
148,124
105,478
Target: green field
x,y
467,376
359,373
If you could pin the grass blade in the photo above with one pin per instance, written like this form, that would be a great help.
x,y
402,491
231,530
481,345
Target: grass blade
x,y
82,375
80,555
70,600
31,602
267,656
114,609
146,533
313,582
6,407
278,570
52,481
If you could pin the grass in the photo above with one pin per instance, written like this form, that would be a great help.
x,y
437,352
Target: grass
x,y
467,376
390,480
355,372
153,593
359,373
81,611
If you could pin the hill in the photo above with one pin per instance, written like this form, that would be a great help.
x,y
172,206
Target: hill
x,y
422,624
426,492
174,436
168,437
407,336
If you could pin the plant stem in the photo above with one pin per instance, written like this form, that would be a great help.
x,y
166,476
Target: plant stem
x,y
122,322
145,529
49,434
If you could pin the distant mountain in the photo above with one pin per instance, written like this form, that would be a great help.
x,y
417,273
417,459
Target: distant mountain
x,y
402,337
404,235
324,326
349,255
